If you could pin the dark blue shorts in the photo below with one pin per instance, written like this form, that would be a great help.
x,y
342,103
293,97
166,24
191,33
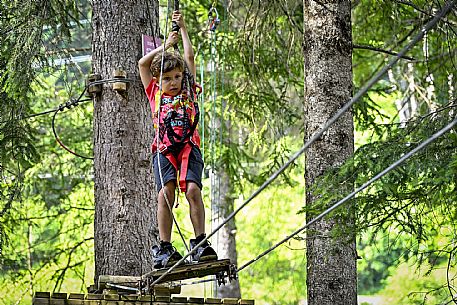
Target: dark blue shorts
x,y
194,169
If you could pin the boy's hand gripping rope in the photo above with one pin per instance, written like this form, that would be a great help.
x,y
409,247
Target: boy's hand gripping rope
x,y
174,24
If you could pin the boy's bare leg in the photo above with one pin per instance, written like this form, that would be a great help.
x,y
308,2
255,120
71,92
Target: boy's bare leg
x,y
197,215
164,218
197,209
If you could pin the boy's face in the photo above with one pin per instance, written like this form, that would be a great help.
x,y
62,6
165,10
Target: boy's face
x,y
171,82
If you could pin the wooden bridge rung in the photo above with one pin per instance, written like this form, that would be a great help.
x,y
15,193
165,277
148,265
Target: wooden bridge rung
x,y
45,298
192,271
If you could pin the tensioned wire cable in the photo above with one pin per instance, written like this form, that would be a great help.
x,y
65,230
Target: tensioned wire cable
x,y
348,197
202,107
170,207
213,134
75,102
359,189
447,7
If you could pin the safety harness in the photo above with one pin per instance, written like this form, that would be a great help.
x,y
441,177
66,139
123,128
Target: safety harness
x,y
176,130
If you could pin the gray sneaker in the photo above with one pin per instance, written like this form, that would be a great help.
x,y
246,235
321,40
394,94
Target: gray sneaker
x,y
165,255
204,253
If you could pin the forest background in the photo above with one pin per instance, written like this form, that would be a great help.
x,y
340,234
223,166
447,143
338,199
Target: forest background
x,y
406,221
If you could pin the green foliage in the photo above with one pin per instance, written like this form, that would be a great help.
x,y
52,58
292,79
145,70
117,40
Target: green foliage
x,y
408,213
49,244
32,36
282,272
259,83
50,225
390,25
47,206
29,32
427,179
379,254
409,285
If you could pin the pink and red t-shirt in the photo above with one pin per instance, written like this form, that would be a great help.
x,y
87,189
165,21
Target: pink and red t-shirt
x,y
178,103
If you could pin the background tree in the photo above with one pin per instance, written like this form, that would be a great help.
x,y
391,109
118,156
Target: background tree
x,y
331,262
390,208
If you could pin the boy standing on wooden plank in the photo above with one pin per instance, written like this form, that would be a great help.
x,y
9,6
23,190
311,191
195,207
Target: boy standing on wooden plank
x,y
176,146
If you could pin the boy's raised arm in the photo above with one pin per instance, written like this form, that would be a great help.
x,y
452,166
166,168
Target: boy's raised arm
x,y
144,64
187,44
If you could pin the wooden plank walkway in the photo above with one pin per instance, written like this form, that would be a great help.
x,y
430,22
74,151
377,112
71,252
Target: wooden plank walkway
x,y
46,298
189,271
222,269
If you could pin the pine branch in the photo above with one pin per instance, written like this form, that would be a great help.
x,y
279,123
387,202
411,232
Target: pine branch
x,y
367,47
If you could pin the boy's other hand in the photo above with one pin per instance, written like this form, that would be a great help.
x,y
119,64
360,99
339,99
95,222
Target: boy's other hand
x,y
178,18
172,39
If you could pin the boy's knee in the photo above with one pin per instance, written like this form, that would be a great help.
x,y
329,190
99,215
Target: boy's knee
x,y
193,193
168,189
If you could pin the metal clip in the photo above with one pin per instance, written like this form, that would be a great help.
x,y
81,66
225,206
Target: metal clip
x,y
213,19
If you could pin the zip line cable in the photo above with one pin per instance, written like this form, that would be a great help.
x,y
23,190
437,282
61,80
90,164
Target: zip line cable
x,y
345,199
202,107
449,5
215,179
213,133
359,189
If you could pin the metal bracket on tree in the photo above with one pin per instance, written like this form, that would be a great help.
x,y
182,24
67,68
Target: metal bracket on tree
x,y
120,86
93,89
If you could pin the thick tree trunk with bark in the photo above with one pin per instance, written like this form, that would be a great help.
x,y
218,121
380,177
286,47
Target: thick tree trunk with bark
x,y
125,203
222,207
331,262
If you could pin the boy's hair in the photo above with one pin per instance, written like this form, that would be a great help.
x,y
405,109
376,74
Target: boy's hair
x,y
171,61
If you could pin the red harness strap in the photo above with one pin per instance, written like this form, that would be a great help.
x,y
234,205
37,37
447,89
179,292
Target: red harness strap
x,y
181,164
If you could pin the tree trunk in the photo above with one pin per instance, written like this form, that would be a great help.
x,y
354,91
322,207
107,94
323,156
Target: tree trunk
x,y
331,262
222,203
125,203
222,207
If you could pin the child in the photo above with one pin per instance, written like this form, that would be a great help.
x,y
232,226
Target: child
x,y
177,141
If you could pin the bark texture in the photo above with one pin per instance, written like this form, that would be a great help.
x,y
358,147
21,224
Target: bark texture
x,y
125,201
222,207
331,263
